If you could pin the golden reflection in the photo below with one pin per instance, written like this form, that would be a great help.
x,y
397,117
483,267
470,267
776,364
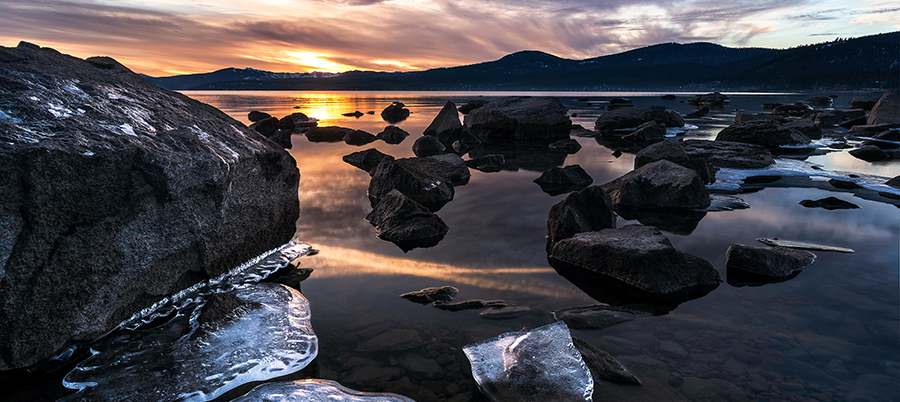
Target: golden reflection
x,y
338,262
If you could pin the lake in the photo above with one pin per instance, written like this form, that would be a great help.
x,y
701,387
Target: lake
x,y
830,334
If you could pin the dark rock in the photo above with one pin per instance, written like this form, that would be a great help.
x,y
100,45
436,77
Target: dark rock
x,y
747,264
395,113
266,127
887,110
220,309
406,223
802,245
424,187
451,167
356,114
358,138
507,312
427,145
282,138
638,257
796,110
680,222
668,97
865,101
859,121
846,185
616,103
392,135
869,153
895,182
431,295
295,276
648,132
769,134
872,130
446,126
596,316
616,154
569,146
660,185
371,112
300,120
476,304
487,163
287,124
633,117
770,106
725,154
520,118
470,138
889,139
460,148
819,101
807,127
831,118
528,155
710,99
702,112
563,180
105,211
366,160
472,105
602,365
829,203
328,133
587,210
255,116
670,150
748,117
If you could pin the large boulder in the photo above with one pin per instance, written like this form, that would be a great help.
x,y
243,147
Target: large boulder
x,y
672,151
632,117
446,126
424,187
392,135
887,110
661,185
640,258
406,223
563,180
395,113
366,160
647,133
587,210
769,134
451,167
427,145
746,264
520,118
727,154
333,134
115,193
865,101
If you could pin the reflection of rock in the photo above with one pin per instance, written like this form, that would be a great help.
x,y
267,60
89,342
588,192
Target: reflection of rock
x,y
451,167
487,163
562,180
661,185
431,295
533,156
699,113
602,365
829,203
427,145
520,118
769,134
366,160
423,187
328,133
295,276
597,316
395,113
358,138
587,210
672,151
392,135
887,110
759,265
568,145
725,154
680,222
634,263
635,116
406,223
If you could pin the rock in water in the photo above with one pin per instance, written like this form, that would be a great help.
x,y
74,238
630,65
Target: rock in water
x,y
661,185
488,163
395,113
596,316
869,153
710,99
587,210
520,118
802,245
767,133
727,154
472,105
430,295
565,179
451,167
406,223
427,145
133,193
315,391
602,365
531,366
829,203
887,110
366,160
569,146
392,135
640,258
747,264
270,338
424,187
632,117
446,126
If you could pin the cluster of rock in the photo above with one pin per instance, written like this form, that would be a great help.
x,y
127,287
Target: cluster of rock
x,y
115,193
279,130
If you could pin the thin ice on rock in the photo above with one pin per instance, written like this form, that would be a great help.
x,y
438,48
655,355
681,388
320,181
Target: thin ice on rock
x,y
314,391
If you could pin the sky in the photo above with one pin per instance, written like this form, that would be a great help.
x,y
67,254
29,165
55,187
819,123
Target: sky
x,y
170,37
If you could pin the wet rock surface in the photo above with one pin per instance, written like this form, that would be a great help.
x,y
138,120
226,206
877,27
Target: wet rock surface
x,y
728,154
430,295
366,160
406,223
565,179
765,264
659,185
421,186
829,203
395,113
449,166
633,117
392,135
596,316
603,366
487,163
769,134
520,118
587,210
113,163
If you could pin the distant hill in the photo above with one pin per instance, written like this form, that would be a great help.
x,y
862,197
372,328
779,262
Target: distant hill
x,y
866,62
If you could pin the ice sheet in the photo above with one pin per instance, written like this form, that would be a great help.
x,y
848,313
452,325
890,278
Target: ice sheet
x,y
733,179
314,391
537,365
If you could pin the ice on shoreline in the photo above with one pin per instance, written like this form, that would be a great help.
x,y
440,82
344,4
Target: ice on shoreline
x,y
314,391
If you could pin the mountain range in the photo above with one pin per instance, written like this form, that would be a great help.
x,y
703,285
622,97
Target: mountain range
x,y
842,64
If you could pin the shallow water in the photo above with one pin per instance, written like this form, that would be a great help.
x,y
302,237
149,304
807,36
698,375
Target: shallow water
x,y
831,333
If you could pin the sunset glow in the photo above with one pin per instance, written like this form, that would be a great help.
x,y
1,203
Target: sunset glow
x,y
176,37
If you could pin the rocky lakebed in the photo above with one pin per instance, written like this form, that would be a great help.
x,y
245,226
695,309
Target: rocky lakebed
x,y
283,246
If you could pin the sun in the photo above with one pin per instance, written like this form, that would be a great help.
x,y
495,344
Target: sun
x,y
317,62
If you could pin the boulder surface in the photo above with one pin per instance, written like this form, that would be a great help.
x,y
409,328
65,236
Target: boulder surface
x,y
520,118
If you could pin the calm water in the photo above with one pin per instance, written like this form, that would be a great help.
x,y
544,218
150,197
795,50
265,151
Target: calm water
x,y
830,334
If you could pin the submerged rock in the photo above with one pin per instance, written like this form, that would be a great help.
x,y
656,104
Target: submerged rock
x,y
268,336
487,163
602,365
587,210
115,193
829,203
315,391
395,113
392,135
659,185
638,257
406,223
475,304
431,295
537,365
635,116
565,179
366,160
569,146
801,245
747,264
520,118
596,316
424,187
